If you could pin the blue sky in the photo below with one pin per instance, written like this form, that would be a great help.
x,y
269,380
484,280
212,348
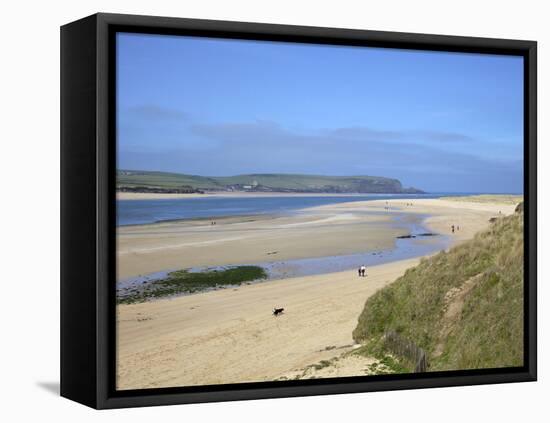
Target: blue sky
x,y
436,121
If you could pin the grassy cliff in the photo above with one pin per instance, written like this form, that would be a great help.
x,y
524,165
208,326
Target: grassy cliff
x,y
464,307
274,182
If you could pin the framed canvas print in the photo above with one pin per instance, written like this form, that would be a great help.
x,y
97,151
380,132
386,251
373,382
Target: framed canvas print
x,y
258,211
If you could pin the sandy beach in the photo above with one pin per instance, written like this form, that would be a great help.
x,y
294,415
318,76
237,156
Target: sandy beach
x,y
230,336
344,228
315,232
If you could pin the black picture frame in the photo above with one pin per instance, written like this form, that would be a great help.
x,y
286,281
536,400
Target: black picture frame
x,y
88,216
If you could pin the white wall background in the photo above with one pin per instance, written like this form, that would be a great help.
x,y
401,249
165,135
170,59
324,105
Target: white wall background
x,y
29,235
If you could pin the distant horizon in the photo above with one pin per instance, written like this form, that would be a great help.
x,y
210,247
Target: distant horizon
x,y
436,121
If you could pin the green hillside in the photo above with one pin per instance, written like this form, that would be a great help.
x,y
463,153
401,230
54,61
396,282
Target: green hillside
x,y
163,180
311,182
129,179
464,307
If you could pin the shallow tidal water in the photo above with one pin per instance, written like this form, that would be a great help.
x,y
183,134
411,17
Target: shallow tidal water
x,y
418,245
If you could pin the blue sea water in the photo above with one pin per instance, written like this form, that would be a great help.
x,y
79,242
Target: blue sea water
x,y
138,212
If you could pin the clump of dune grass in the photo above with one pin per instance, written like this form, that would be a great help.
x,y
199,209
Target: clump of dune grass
x,y
185,282
386,363
463,307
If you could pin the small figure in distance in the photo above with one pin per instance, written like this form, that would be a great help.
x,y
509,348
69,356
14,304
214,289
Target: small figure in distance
x,y
453,229
359,272
363,271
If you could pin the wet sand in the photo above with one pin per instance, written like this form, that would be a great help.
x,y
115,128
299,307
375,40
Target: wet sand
x,y
315,232
230,336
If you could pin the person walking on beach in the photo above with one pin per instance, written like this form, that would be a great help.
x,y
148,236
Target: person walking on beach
x,y
363,271
453,229
359,271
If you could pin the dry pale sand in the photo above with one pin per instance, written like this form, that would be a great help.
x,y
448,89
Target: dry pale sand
x,y
469,216
345,365
230,336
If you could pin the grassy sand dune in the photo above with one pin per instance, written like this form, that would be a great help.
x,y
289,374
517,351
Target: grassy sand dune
x,y
463,307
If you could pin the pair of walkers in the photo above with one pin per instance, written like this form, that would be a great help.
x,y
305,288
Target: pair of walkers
x,y
362,271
